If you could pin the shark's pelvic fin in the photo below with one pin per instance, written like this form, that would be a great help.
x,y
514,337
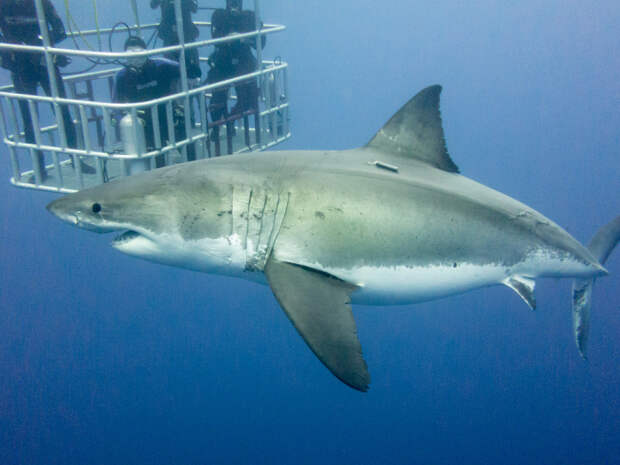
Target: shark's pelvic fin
x,y
319,306
524,287
601,246
415,131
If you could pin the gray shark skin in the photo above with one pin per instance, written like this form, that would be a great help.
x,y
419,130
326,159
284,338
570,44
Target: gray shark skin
x,y
388,223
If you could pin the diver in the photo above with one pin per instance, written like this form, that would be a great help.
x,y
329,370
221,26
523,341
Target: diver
x,y
145,78
167,32
232,59
19,25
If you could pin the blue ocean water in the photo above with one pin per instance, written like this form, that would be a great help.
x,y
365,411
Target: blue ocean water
x,y
108,359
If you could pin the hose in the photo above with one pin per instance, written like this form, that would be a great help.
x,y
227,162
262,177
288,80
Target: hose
x,y
97,23
75,30
71,24
134,7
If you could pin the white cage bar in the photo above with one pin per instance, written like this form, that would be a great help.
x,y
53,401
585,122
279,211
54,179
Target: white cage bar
x,y
100,154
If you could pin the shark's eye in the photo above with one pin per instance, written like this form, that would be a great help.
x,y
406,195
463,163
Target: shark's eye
x,y
96,207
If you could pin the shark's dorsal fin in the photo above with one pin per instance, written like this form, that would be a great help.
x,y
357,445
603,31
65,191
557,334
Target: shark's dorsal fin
x,y
319,306
415,131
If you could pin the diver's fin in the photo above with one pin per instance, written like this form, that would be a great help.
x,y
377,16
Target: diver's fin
x,y
524,287
415,131
601,247
319,306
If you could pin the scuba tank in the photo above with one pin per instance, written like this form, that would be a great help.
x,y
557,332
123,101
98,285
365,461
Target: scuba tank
x,y
134,143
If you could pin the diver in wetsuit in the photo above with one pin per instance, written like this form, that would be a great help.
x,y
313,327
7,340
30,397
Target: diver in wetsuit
x,y
147,78
232,59
19,25
167,32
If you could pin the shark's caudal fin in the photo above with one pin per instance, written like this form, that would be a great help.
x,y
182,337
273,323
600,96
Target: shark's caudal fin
x,y
415,131
601,247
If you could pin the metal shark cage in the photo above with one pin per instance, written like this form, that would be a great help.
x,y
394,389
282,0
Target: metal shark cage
x,y
109,146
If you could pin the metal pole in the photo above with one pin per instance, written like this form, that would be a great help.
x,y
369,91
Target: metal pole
x,y
51,70
184,85
259,38
172,141
16,129
259,67
134,6
285,113
204,126
51,74
5,137
181,36
49,61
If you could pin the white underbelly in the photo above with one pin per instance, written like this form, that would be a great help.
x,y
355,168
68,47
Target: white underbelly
x,y
224,255
402,284
377,285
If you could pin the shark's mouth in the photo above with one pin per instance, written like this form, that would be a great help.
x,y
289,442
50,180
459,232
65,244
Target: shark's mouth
x,y
125,237
138,244
134,243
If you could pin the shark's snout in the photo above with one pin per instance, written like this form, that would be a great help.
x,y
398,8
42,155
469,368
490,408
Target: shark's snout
x,y
80,212
61,209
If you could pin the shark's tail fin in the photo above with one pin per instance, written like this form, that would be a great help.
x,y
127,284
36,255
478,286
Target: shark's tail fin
x,y
601,247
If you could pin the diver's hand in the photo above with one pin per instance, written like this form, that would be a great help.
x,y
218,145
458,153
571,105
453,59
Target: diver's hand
x,y
61,60
141,114
7,60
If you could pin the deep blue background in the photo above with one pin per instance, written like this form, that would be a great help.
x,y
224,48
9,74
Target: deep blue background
x,y
108,359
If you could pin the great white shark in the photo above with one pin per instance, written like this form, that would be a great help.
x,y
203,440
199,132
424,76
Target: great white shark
x,y
392,222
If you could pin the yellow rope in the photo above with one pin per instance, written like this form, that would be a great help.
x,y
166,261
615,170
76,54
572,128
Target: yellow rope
x,y
97,23
74,25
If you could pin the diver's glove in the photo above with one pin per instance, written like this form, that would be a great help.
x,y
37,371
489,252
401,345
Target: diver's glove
x,y
142,114
7,60
211,60
178,115
62,60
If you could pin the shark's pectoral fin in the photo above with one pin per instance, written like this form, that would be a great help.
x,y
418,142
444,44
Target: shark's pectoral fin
x,y
319,306
524,287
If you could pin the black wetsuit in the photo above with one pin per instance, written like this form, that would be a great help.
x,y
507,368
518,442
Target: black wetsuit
x,y
167,32
156,79
232,59
19,25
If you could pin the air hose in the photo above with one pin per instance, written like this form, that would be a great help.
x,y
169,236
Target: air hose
x,y
134,6
75,30
97,23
